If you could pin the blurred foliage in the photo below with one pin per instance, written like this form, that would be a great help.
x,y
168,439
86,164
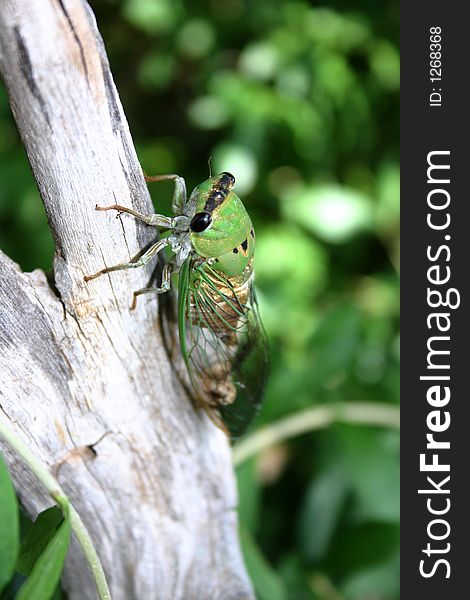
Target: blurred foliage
x,y
300,102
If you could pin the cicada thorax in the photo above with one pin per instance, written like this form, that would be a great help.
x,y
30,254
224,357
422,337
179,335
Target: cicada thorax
x,y
221,229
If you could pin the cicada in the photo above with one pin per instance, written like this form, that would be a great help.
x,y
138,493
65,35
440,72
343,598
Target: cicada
x,y
221,336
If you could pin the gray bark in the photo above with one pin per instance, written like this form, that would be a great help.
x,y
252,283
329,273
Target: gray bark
x,y
86,382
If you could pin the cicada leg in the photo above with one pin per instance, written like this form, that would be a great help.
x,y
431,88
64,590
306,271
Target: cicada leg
x,y
153,220
143,260
179,195
165,286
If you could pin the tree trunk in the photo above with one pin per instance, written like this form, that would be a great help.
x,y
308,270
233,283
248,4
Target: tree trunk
x,y
85,381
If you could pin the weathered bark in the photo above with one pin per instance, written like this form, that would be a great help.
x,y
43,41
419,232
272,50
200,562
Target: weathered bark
x,y
86,382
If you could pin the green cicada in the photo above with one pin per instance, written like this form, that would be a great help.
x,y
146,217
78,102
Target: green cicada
x,y
221,336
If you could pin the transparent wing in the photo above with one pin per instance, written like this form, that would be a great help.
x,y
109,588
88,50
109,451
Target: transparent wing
x,y
223,344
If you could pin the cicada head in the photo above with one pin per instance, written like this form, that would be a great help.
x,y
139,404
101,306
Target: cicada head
x,y
221,228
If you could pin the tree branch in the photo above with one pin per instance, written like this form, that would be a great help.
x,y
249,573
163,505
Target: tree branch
x,y
86,383
311,419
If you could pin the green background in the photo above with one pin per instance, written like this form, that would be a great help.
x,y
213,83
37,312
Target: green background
x,y
299,101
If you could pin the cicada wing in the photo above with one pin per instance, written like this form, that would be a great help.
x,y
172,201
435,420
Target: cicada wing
x,y
223,344
250,371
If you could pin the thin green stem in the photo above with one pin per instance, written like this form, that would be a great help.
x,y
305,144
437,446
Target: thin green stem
x,y
85,541
363,413
59,496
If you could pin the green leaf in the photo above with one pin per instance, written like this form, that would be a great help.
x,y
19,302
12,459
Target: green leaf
x,y
334,213
380,581
320,515
372,461
357,548
38,537
151,17
250,495
9,526
267,583
46,572
296,578
335,343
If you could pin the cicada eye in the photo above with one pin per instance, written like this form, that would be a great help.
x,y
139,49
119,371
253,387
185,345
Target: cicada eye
x,y
200,222
230,177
